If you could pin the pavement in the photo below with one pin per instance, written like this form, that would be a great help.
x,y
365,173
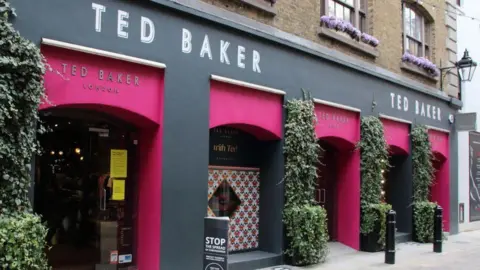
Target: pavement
x,y
460,252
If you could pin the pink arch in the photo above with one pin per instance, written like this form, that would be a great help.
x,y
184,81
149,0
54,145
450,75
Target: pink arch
x,y
133,93
341,128
256,112
397,135
339,143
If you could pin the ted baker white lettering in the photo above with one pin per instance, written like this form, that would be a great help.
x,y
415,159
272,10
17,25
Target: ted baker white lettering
x,y
122,24
422,109
205,50
147,35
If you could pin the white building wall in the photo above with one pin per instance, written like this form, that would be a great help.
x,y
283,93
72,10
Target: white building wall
x,y
468,36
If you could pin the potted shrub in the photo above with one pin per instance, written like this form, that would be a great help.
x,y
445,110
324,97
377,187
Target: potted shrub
x,y
305,222
374,162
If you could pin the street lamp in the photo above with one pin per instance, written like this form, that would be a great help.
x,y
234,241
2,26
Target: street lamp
x,y
465,69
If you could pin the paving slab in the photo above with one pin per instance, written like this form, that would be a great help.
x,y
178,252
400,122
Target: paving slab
x,y
461,251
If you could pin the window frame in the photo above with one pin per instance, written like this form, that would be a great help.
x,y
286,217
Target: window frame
x,y
424,25
356,8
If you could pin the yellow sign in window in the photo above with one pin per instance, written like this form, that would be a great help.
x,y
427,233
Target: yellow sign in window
x,y
118,193
118,163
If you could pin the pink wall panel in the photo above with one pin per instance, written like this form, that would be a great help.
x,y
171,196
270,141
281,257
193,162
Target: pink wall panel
x,y
397,135
253,111
348,199
440,190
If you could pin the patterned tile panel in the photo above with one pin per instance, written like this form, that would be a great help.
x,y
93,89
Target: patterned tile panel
x,y
244,222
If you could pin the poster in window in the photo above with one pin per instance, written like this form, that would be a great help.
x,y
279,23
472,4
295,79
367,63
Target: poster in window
x,y
118,163
474,175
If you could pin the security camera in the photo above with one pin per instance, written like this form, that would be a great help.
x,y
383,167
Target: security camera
x,y
451,118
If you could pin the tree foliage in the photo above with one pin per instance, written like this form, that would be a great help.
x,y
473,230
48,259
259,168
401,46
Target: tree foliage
x,y
21,90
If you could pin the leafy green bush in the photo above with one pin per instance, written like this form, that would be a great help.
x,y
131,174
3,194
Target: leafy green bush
x,y
305,223
301,151
22,235
308,241
422,158
22,243
377,213
423,173
374,162
424,217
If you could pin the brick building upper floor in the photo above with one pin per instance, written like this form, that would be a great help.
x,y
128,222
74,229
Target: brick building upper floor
x,y
409,37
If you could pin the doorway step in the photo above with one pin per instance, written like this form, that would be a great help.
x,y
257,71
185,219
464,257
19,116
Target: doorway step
x,y
401,237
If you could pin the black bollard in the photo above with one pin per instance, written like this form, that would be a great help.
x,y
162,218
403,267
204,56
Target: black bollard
x,y
437,229
390,237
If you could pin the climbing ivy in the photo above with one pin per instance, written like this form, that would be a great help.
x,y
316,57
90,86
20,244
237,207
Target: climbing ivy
x,y
374,162
423,173
305,222
22,235
422,164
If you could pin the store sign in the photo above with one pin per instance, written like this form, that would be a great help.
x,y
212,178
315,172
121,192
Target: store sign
x,y
216,243
100,80
333,119
423,109
232,147
466,121
474,179
227,54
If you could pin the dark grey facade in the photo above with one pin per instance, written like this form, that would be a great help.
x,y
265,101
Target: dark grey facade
x,y
283,65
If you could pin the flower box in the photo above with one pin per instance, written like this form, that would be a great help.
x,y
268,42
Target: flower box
x,y
422,65
265,5
346,27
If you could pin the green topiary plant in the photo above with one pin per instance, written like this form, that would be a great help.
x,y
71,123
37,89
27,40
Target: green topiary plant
x,y
374,163
423,173
305,223
423,212
308,236
22,235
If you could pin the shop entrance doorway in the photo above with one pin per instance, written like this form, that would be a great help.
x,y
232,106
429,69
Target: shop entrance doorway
x,y
327,180
397,191
86,189
334,172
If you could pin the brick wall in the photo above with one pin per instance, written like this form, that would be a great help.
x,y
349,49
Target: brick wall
x,y
384,21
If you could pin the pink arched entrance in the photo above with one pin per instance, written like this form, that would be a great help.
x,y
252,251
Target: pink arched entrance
x,y
397,135
237,113
440,189
340,129
133,93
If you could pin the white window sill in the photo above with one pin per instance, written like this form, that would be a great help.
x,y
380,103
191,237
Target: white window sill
x,y
417,70
357,45
261,5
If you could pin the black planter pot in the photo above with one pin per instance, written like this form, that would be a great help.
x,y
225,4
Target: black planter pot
x,y
369,242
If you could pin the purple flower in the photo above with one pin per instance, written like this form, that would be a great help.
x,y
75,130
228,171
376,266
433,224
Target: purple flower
x,y
421,62
346,27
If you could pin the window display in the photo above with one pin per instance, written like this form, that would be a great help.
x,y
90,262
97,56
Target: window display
x,y
235,192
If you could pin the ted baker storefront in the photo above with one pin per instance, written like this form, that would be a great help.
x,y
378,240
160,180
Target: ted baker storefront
x,y
192,124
